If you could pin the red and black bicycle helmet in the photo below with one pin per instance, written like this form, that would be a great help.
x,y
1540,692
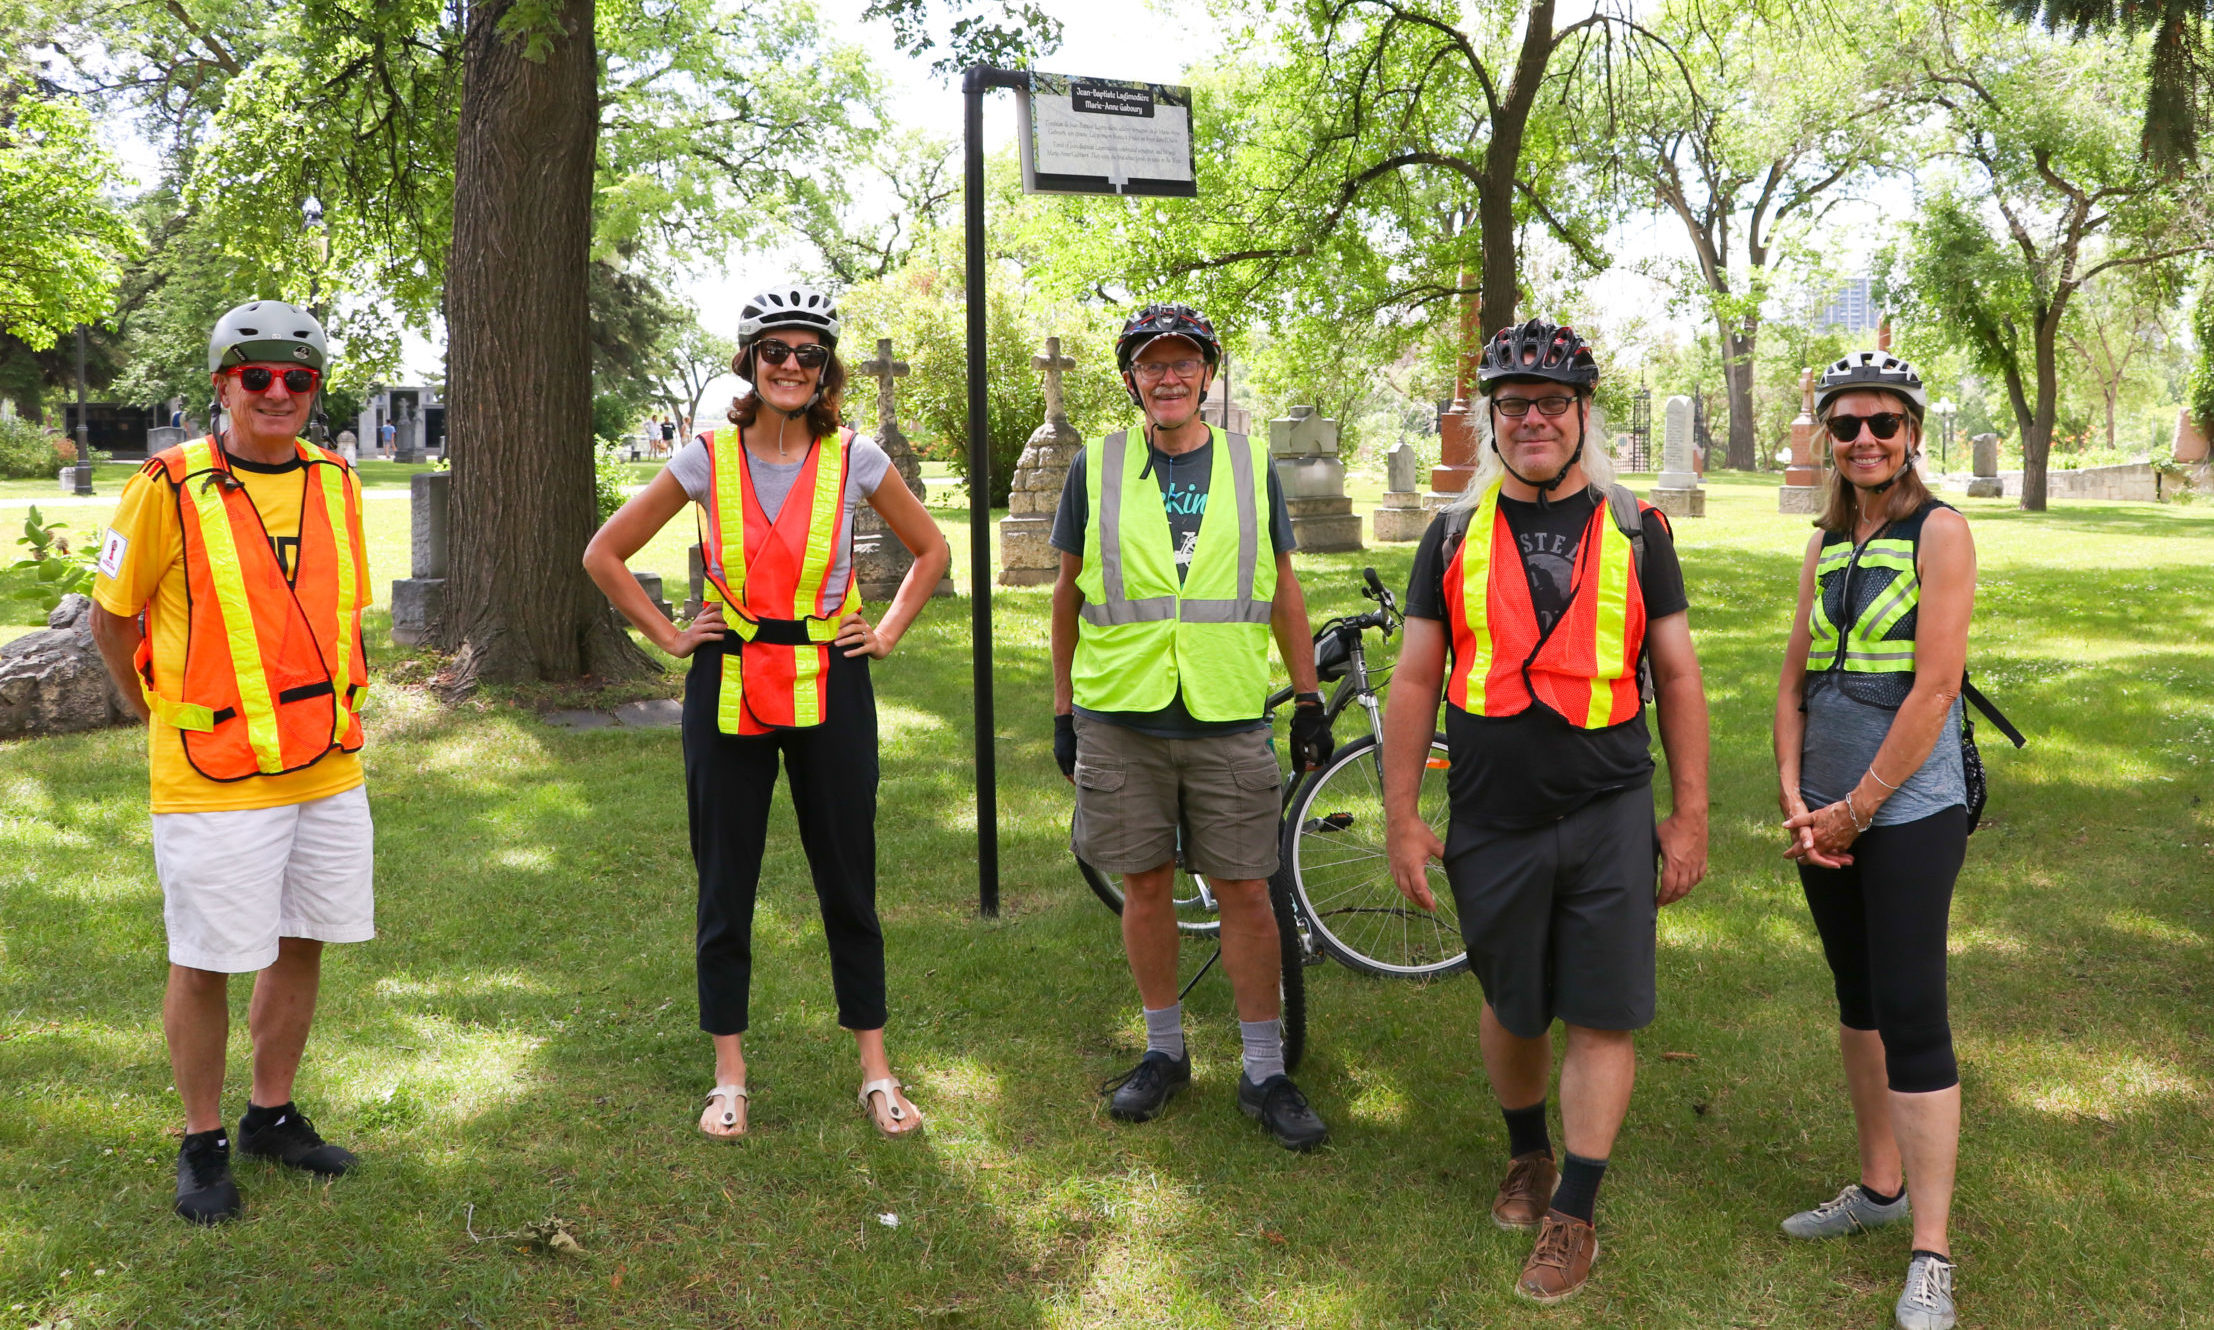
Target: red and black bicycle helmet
x,y
1539,350
1166,320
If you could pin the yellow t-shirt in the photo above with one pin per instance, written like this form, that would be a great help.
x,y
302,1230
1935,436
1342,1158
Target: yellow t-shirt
x,y
142,563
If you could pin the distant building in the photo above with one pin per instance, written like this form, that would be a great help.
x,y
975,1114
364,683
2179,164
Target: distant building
x,y
1852,310
416,414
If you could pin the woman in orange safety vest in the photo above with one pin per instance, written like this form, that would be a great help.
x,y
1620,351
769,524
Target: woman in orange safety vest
x,y
779,670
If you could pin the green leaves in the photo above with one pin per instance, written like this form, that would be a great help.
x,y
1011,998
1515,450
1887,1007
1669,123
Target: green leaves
x,y
62,246
32,587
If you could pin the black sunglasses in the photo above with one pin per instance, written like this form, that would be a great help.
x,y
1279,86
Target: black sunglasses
x,y
257,378
814,355
1518,407
1883,425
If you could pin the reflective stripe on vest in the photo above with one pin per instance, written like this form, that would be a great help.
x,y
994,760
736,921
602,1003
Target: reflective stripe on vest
x,y
1143,633
263,652
1861,645
774,584
1585,668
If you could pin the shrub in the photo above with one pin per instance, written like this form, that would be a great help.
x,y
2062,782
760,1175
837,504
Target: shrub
x,y
28,450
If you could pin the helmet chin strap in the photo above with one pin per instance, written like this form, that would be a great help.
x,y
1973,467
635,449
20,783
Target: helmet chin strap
x,y
1545,488
1887,482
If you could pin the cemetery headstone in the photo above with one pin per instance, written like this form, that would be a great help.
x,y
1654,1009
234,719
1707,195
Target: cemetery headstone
x,y
1304,447
880,561
2188,445
1401,517
1802,487
419,600
1677,491
1026,553
1457,443
1985,483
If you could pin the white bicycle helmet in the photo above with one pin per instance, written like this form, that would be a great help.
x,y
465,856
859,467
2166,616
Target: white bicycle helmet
x,y
791,305
265,331
1872,369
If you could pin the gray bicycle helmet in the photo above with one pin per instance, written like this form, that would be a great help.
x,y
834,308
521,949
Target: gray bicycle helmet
x,y
268,332
1872,369
791,305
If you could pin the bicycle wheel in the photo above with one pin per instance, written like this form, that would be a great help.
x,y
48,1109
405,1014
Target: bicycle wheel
x,y
1293,967
1334,846
1195,905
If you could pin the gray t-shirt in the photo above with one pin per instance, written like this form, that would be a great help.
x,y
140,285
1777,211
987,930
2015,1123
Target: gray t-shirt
x,y
773,481
1842,736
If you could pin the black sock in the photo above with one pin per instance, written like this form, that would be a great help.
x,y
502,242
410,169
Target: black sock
x,y
258,1117
1526,1130
1579,1192
1879,1198
1924,1251
213,1136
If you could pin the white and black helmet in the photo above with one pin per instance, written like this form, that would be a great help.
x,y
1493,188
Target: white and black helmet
x,y
1872,369
791,305
267,331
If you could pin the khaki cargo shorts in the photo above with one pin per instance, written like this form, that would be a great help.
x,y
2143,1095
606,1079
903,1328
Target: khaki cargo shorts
x,y
1134,790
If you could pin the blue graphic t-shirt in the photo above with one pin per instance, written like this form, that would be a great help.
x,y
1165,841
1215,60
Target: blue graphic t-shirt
x,y
1184,482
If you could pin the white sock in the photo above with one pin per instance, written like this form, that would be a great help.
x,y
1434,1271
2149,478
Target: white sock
x,y
1264,1049
1164,1030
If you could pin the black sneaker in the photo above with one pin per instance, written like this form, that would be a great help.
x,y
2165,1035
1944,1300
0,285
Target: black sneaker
x,y
292,1141
1141,1092
1278,1105
205,1192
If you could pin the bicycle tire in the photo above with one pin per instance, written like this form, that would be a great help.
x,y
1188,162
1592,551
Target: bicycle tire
x,y
1344,882
1291,966
1187,923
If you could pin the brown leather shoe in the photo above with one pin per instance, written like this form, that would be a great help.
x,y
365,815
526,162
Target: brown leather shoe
x,y
1526,1191
1561,1261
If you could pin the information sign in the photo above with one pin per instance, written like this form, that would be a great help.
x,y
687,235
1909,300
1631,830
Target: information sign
x,y
1106,136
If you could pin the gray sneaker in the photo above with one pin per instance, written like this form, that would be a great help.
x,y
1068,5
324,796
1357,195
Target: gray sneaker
x,y
1927,1301
1850,1211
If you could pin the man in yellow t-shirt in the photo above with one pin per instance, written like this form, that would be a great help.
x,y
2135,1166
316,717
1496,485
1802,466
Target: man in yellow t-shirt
x,y
260,863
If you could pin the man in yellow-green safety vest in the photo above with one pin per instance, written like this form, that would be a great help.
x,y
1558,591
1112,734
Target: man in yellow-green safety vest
x,y
1175,573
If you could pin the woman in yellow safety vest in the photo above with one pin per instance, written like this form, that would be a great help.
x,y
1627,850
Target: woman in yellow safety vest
x,y
1875,801
779,669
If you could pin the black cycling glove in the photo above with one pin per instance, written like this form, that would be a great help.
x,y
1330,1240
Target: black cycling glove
x,y
1064,745
1311,744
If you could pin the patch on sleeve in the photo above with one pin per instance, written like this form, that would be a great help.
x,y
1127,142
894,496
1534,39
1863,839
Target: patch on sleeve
x,y
113,546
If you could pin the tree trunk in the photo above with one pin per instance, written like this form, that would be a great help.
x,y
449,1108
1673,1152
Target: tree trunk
x,y
519,358
1502,162
2037,438
1737,379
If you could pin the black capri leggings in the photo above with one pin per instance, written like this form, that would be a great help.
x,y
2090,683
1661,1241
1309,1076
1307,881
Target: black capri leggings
x,y
728,782
1882,920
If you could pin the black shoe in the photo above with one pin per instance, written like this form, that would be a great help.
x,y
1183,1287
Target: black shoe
x,y
1278,1105
292,1141
205,1192
1142,1091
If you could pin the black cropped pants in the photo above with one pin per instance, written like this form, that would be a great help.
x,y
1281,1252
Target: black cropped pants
x,y
728,781
1883,920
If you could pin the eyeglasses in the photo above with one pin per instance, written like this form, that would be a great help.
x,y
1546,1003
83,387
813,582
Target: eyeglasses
x,y
814,355
257,378
1517,407
1150,371
1883,425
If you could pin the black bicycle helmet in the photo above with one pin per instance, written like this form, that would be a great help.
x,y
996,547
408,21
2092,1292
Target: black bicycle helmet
x,y
1873,369
1166,321
1539,350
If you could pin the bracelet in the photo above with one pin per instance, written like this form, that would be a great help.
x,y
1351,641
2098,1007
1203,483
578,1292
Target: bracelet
x,y
1854,814
1880,780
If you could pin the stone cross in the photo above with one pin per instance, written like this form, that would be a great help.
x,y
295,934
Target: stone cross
x,y
884,370
1052,362
1806,393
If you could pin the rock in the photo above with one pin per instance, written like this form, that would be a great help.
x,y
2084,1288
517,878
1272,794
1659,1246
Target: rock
x,y
54,682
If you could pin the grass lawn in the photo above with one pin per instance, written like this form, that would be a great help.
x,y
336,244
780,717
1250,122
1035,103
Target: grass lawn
x,y
520,1041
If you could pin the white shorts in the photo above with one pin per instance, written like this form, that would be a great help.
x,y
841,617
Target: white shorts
x,y
234,882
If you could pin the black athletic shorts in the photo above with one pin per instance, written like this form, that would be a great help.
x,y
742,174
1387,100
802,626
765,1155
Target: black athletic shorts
x,y
1559,919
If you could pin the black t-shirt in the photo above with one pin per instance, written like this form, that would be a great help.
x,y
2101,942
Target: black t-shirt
x,y
1533,768
1185,480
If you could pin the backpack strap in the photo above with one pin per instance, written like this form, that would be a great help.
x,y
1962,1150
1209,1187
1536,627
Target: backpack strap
x,y
1630,522
1990,710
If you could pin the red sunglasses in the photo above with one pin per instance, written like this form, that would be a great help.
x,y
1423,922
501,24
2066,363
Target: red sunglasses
x,y
299,380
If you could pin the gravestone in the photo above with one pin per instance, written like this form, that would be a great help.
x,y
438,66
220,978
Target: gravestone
x,y
1802,487
1304,447
1458,445
880,561
54,682
1676,490
161,438
2188,445
1401,517
1984,482
419,600
1026,553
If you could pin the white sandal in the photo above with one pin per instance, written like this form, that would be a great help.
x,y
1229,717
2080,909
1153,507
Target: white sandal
x,y
730,1095
889,1089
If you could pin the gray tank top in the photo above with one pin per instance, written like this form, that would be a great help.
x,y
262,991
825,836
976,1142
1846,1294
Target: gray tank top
x,y
1842,736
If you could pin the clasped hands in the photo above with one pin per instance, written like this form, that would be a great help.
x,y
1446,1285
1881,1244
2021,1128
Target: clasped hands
x,y
1820,837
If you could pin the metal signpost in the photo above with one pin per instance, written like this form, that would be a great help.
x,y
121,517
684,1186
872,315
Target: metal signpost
x,y
1079,136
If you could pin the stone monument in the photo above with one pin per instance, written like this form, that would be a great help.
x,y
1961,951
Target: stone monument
x,y
2189,445
1676,491
1026,553
1457,442
54,682
1802,487
1304,447
880,561
419,600
1984,481
1401,516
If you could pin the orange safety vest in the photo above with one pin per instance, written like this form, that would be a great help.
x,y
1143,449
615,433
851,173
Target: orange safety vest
x,y
1585,669
274,669
774,584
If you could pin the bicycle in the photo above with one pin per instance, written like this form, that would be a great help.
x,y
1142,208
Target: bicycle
x,y
1333,893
